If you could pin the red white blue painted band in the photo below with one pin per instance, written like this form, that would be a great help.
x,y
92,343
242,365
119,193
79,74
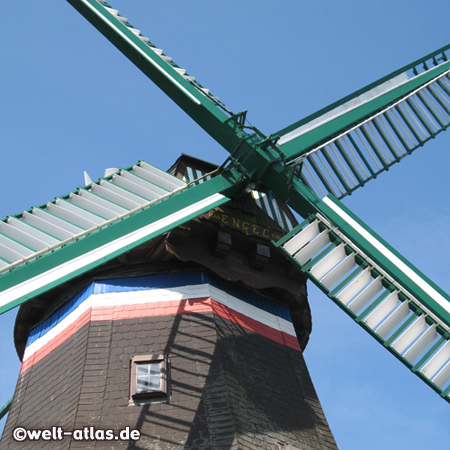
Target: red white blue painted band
x,y
161,281
101,301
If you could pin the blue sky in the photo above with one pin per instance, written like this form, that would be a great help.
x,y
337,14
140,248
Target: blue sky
x,y
71,102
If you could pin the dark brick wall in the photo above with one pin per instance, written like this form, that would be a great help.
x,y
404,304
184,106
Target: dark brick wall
x,y
48,393
230,388
271,395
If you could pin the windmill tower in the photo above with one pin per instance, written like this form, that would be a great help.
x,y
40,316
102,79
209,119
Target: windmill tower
x,y
177,337
321,228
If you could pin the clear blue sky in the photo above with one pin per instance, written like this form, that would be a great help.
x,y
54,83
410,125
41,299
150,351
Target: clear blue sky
x,y
70,102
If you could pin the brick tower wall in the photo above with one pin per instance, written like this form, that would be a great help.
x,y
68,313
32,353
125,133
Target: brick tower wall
x,y
237,378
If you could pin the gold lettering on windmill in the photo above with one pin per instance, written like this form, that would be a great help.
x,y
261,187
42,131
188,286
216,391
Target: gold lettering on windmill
x,y
245,227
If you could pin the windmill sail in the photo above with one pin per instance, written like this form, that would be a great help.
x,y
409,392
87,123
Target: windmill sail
x,y
342,147
377,287
176,82
48,245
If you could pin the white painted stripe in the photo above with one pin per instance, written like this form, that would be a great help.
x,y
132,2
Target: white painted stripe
x,y
257,196
244,308
266,208
111,299
191,176
152,295
52,275
411,274
58,328
240,306
276,208
178,293
346,107
136,47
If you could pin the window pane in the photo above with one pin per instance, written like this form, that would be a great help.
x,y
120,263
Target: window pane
x,y
155,376
148,377
142,370
142,385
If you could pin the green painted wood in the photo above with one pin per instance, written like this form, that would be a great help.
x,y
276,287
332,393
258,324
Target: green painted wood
x,y
207,113
400,330
162,211
348,279
5,408
389,127
438,55
428,354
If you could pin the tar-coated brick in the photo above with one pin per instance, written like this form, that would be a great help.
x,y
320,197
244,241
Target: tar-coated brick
x,y
230,389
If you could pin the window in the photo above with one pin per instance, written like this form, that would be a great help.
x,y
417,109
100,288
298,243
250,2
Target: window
x,y
149,377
